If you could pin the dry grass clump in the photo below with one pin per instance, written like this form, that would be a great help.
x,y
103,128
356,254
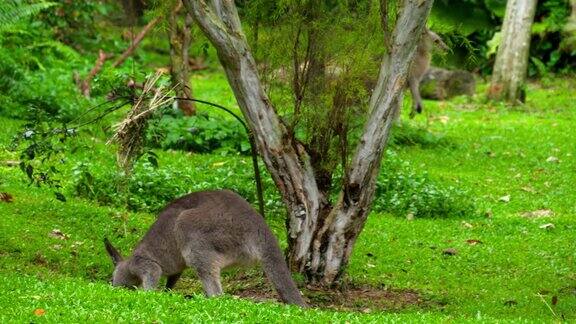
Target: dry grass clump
x,y
130,132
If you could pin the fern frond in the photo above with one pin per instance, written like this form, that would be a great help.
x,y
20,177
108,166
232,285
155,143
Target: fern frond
x,y
12,11
64,50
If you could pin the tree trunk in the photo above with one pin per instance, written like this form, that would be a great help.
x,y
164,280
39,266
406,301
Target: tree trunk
x,y
334,242
180,38
320,236
134,10
511,64
286,159
568,43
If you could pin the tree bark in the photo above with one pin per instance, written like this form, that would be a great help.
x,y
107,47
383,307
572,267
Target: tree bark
x,y
511,64
320,236
180,39
568,43
134,10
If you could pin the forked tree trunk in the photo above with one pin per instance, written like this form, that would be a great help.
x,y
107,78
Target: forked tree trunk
x,y
511,64
180,38
568,43
321,236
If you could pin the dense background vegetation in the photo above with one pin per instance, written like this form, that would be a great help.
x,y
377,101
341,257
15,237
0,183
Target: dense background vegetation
x,y
477,177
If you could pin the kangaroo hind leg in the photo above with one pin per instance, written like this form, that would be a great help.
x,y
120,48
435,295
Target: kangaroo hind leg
x,y
207,270
210,281
414,85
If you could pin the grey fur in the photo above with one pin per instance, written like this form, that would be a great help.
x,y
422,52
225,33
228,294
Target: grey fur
x,y
208,231
420,65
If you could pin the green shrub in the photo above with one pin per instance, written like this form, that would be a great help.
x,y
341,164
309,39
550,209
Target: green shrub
x,y
147,189
150,188
36,74
405,134
202,133
401,191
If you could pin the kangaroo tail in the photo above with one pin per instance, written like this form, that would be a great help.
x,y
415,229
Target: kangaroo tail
x,y
277,271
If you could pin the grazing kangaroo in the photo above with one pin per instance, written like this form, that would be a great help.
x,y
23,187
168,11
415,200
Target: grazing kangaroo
x,y
420,65
208,231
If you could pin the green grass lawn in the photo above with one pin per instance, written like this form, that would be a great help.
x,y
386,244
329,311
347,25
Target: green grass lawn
x,y
507,267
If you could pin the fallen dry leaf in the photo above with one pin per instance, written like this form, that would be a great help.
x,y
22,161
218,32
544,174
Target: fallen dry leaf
x,y
547,226
39,312
76,244
450,251
11,163
528,189
473,242
443,119
505,199
6,197
538,213
552,159
467,225
56,233
410,216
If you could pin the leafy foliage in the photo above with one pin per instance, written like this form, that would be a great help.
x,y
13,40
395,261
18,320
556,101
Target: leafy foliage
x,y
73,22
13,11
401,190
546,52
35,70
146,189
473,37
202,133
150,187
405,134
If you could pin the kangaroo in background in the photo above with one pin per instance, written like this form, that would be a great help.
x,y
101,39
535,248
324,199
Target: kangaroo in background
x,y
208,231
420,65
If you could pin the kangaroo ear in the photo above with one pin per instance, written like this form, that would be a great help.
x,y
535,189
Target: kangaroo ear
x,y
114,254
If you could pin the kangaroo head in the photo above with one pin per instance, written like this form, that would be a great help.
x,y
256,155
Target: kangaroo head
x,y
123,276
435,39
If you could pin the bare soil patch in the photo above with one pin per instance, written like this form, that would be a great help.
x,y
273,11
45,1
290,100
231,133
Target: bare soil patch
x,y
254,286
349,297
364,299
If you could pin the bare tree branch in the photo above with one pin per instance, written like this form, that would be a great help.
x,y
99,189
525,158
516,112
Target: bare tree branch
x,y
136,41
85,84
